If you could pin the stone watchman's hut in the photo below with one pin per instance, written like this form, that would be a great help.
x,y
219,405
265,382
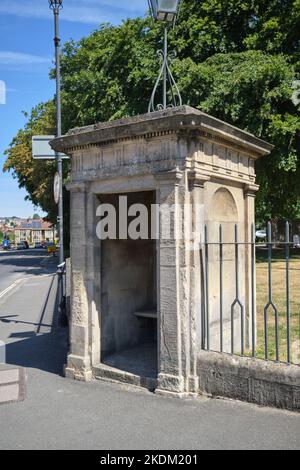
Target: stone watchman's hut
x,y
137,305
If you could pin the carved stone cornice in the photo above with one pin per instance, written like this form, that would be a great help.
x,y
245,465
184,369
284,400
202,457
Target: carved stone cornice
x,y
183,120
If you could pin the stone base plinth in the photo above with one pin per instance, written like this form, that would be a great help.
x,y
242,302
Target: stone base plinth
x,y
78,368
110,374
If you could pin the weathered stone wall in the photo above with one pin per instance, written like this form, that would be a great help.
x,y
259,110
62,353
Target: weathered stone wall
x,y
253,380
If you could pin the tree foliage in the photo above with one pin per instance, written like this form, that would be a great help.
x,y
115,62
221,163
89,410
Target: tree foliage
x,y
35,176
236,59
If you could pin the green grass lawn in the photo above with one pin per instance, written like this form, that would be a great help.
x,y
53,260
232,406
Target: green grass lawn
x,y
279,299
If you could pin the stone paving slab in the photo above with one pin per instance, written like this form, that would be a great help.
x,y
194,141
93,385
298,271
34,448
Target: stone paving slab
x,y
12,384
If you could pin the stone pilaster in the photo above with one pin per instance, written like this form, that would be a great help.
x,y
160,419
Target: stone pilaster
x,y
170,378
196,183
79,363
93,278
250,191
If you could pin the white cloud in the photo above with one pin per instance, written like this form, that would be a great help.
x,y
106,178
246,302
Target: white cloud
x,y
85,11
18,58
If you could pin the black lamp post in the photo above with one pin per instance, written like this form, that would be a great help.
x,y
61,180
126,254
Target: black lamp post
x,y
56,5
165,11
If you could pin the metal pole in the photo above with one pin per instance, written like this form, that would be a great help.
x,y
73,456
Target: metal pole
x,y
221,285
165,69
253,306
287,286
207,290
58,134
62,310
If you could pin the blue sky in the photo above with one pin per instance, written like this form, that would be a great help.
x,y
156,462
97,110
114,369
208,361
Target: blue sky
x,y
26,55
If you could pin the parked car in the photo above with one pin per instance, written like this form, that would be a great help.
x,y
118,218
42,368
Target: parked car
x,y
23,246
296,241
38,246
261,234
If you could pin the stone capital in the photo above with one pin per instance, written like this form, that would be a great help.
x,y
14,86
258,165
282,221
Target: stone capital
x,y
76,187
169,177
197,179
250,190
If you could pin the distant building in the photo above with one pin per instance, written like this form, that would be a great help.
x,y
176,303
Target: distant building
x,y
34,231
6,231
10,221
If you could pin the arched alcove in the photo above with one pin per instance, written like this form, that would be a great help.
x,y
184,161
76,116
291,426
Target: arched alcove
x,y
223,213
223,207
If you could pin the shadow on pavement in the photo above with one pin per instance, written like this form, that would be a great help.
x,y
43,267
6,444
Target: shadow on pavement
x,y
11,257
13,319
44,347
47,351
29,260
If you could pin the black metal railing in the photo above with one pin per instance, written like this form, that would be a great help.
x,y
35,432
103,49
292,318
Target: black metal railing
x,y
252,295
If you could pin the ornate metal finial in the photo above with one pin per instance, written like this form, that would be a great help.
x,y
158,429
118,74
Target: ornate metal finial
x,y
55,4
165,11
165,74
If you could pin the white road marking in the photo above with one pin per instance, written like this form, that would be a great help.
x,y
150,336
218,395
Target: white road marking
x,y
11,287
19,281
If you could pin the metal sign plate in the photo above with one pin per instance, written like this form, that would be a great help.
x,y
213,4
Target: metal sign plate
x,y
41,149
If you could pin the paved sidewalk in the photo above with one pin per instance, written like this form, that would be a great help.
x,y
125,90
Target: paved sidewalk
x,y
63,414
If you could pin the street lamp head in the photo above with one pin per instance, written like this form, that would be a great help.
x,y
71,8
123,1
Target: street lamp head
x,y
55,4
164,10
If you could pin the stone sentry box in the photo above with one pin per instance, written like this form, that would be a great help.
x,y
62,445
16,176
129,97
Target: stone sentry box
x,y
179,157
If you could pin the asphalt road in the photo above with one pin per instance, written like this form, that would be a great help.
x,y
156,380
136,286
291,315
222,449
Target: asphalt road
x,y
64,414
20,264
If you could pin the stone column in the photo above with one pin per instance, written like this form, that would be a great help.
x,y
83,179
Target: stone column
x,y
79,362
250,191
197,297
93,278
170,378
